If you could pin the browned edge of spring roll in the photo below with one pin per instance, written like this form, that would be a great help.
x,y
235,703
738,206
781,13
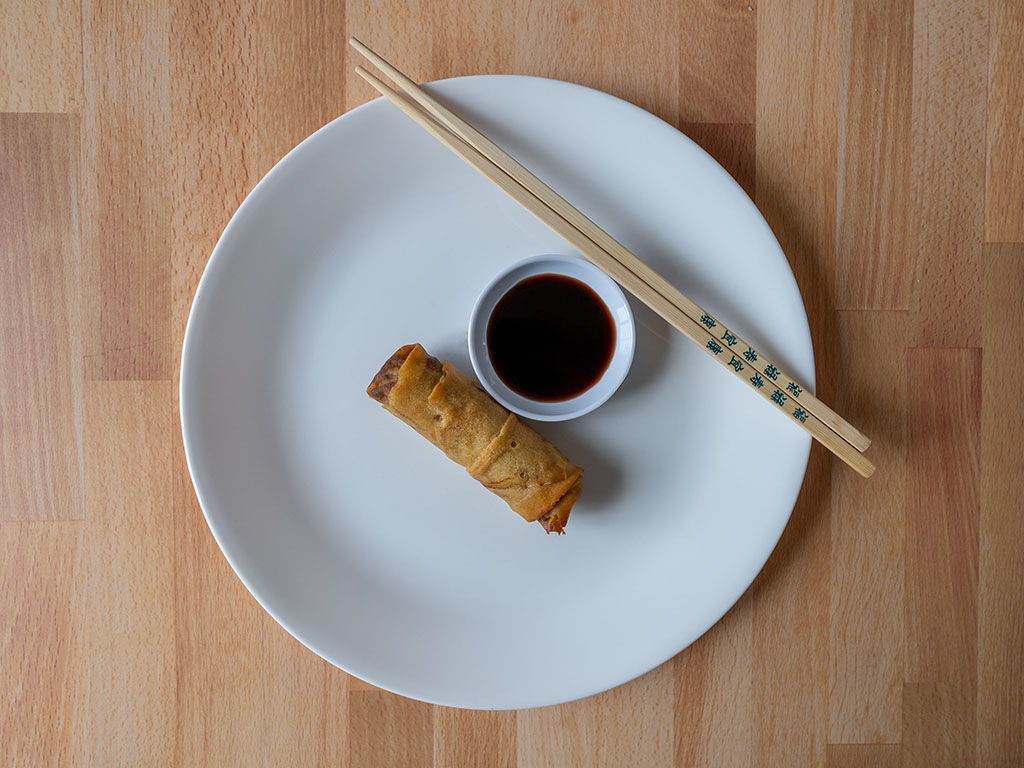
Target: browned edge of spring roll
x,y
546,493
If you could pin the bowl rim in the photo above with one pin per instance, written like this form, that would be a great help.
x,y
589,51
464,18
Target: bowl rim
x,y
595,279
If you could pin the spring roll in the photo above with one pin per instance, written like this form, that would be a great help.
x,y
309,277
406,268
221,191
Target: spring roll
x,y
497,449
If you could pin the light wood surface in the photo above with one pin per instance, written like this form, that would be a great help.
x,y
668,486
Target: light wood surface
x,y
881,140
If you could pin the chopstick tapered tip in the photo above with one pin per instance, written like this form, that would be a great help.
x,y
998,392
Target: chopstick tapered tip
x,y
367,75
361,47
377,83
863,467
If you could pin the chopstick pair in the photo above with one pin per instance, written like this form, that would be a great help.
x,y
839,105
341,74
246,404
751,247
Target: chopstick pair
x,y
826,426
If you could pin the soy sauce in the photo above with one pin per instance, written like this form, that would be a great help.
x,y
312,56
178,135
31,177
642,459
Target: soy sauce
x,y
550,338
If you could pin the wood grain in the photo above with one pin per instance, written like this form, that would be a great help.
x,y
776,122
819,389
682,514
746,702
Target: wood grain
x,y
213,162
212,96
40,620
714,700
941,569
126,677
864,756
388,731
305,713
874,259
565,33
632,724
796,151
1001,566
947,170
41,56
635,722
126,211
866,586
301,70
941,575
938,726
561,735
717,61
1004,193
40,319
401,34
467,738
483,47
882,141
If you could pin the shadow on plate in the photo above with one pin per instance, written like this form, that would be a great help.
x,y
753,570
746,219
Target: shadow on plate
x,y
652,339
603,479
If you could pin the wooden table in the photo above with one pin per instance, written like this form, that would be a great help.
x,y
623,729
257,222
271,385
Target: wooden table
x,y
883,141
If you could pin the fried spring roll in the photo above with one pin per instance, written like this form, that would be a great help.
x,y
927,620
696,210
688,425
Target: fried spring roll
x,y
504,454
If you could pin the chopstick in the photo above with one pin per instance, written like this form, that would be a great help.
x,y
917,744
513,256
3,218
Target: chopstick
x,y
509,165
623,273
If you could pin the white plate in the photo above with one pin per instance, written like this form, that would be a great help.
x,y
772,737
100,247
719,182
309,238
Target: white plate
x,y
360,537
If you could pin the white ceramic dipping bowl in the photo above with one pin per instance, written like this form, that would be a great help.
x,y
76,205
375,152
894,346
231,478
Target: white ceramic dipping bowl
x,y
607,291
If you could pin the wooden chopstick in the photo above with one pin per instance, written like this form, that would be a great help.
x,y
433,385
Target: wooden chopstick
x,y
752,358
621,274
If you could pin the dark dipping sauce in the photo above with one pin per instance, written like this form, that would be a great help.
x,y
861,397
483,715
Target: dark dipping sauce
x,y
550,338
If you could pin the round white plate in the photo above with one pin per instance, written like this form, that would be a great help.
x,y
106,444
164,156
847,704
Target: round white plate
x,y
360,537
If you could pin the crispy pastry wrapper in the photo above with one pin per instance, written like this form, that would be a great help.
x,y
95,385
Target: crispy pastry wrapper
x,y
497,449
